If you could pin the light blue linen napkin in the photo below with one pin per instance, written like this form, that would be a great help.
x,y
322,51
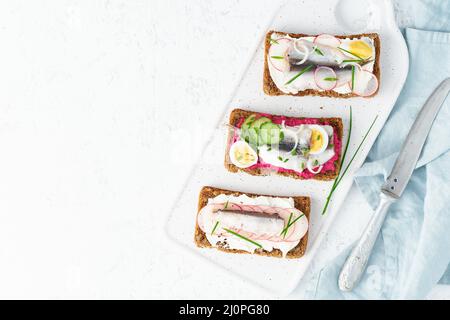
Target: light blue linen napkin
x,y
412,252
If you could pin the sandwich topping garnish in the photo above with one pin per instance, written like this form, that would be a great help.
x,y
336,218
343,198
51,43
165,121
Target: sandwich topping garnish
x,y
303,146
215,227
299,74
289,224
242,237
283,232
323,63
250,223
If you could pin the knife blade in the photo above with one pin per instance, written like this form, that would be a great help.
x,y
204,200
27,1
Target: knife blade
x,y
394,186
410,152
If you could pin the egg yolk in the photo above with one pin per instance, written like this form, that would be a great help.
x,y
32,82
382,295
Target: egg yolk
x,y
244,155
361,49
316,141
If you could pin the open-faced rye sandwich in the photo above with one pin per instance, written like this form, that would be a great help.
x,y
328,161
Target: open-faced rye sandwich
x,y
300,148
323,65
237,222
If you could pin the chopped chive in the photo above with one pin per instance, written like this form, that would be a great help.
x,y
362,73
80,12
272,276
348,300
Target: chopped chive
x,y
358,60
353,60
215,227
330,79
280,158
277,57
294,152
242,237
318,51
285,230
353,77
286,160
316,162
299,74
318,138
304,150
269,148
353,54
226,205
273,41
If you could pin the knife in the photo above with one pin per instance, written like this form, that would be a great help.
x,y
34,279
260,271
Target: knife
x,y
393,187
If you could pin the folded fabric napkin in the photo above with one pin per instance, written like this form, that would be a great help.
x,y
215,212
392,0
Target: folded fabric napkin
x,y
412,251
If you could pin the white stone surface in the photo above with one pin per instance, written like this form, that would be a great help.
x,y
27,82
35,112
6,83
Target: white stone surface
x,y
92,97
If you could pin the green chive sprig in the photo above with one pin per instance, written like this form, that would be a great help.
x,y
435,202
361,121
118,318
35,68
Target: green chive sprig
x,y
353,77
353,54
242,237
289,224
215,227
318,51
342,173
306,69
283,232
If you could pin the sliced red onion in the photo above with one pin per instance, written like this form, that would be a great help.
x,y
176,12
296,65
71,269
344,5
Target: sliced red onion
x,y
365,83
320,76
327,40
302,50
311,168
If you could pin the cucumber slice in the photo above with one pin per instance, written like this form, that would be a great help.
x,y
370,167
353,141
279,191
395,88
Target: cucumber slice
x,y
250,136
270,134
257,124
248,122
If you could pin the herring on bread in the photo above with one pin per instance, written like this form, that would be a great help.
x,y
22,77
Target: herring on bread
x,y
300,148
324,65
237,222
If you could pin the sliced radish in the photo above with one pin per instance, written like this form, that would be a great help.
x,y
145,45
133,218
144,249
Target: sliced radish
x,y
365,83
248,208
263,236
269,210
280,49
258,209
281,65
368,66
234,206
327,40
344,78
294,234
282,41
325,78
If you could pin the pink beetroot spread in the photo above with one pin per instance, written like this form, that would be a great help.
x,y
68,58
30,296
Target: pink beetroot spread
x,y
330,165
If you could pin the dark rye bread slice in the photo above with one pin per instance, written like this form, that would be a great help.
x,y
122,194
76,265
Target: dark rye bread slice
x,y
301,203
238,114
272,90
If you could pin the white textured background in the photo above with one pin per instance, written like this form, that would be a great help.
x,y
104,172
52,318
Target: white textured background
x,y
92,94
